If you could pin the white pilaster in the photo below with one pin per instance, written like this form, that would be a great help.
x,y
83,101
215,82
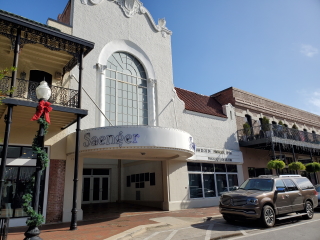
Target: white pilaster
x,y
102,102
152,102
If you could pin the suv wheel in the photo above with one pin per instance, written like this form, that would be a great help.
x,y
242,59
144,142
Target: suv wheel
x,y
228,219
268,217
308,210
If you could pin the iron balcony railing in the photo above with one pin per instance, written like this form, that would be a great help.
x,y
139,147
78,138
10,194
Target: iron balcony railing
x,y
273,130
26,89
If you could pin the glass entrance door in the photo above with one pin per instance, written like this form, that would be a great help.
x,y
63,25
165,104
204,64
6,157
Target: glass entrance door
x,y
95,189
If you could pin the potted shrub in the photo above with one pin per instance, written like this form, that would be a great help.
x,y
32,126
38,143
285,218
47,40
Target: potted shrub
x,y
276,164
313,167
265,126
296,166
246,129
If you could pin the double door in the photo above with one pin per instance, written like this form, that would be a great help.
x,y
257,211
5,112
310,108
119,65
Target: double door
x,y
95,189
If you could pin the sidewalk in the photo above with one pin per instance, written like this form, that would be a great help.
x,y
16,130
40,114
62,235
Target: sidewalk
x,y
100,229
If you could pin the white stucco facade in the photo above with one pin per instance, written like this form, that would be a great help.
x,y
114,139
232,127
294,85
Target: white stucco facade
x,y
168,140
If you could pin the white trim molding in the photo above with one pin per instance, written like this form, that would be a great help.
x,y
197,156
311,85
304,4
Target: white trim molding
x,y
205,115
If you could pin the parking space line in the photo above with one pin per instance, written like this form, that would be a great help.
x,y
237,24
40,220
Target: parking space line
x,y
208,232
171,235
243,232
152,235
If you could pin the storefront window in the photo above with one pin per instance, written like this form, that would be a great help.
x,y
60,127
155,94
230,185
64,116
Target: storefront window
x,y
210,180
220,168
209,185
16,180
233,181
194,167
221,183
195,185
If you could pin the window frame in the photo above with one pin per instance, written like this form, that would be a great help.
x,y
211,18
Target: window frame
x,y
214,173
126,101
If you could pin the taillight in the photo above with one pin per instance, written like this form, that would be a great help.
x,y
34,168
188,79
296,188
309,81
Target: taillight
x,y
315,193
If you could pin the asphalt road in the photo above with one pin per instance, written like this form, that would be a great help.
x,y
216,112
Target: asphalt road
x,y
295,228
218,228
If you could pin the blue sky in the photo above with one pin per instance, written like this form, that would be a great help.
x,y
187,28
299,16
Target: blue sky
x,y
267,47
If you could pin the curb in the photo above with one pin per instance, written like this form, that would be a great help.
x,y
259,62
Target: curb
x,y
135,231
129,234
227,236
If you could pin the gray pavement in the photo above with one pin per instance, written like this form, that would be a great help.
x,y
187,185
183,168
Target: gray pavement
x,y
184,228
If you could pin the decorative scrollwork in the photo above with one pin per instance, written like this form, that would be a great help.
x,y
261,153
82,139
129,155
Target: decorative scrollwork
x,y
50,41
5,86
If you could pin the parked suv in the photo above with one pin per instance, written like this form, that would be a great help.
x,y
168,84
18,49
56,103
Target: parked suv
x,y
268,198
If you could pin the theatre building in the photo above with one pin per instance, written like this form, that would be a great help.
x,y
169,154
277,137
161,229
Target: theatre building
x,y
140,140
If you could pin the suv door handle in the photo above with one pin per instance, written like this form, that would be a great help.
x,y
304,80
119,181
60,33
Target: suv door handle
x,y
287,196
299,194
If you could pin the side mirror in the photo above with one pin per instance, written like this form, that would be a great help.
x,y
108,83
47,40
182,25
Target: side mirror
x,y
281,189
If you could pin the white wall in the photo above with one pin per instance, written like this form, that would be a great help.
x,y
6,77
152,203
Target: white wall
x,y
105,23
148,193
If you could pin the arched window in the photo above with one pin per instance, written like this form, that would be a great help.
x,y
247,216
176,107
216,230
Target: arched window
x,y
126,91
248,119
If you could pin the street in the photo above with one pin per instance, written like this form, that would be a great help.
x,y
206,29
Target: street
x,y
218,228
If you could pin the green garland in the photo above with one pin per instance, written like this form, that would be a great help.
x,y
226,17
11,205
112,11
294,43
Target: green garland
x,y
35,219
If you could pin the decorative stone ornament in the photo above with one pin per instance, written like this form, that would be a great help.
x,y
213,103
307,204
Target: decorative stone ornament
x,y
95,2
132,7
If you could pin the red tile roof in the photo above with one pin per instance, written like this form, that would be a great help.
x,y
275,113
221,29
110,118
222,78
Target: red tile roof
x,y
200,103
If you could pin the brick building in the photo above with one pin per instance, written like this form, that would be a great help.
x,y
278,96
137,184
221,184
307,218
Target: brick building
x,y
292,134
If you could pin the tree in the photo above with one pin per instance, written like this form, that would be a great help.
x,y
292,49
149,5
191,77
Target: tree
x,y
6,71
280,123
276,164
313,167
294,126
296,166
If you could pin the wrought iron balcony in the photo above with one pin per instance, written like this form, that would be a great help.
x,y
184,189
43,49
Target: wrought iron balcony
x,y
279,134
26,89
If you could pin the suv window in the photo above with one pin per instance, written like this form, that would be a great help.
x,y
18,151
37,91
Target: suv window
x,y
304,183
290,185
258,184
280,184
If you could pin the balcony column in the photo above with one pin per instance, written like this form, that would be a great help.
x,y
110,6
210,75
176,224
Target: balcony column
x,y
8,117
293,154
273,152
280,149
73,225
152,102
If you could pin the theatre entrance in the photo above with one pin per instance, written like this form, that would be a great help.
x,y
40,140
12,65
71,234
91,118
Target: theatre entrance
x,y
96,185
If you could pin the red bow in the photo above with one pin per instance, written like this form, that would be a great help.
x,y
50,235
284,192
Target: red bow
x,y
43,108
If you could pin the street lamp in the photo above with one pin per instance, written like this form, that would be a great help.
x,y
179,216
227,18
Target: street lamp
x,y
43,93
